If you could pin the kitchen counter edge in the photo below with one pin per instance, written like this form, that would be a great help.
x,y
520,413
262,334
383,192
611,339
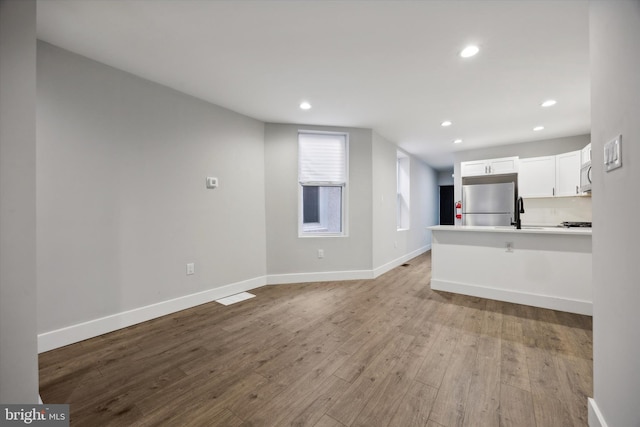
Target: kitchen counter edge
x,y
575,231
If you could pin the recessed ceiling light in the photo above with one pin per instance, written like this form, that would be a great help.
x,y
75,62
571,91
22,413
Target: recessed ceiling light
x,y
469,51
446,123
457,141
305,105
538,128
549,103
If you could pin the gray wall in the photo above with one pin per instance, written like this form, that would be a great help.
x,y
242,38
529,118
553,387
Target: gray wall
x,y
122,203
18,348
546,147
615,109
384,179
445,178
425,204
286,252
389,244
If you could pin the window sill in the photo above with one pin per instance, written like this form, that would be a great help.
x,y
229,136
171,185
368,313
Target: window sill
x,y
307,235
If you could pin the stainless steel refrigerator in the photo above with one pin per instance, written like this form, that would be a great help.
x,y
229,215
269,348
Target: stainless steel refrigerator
x,y
488,204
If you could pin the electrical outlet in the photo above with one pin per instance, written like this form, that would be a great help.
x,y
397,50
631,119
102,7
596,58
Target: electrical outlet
x,y
191,268
320,253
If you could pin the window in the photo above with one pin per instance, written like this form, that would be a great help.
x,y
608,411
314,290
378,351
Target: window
x,y
403,191
322,178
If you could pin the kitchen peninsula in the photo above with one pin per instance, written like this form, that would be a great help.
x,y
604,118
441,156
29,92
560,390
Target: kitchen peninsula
x,y
548,267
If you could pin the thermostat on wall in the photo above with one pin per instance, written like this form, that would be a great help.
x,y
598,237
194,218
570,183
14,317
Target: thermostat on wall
x,y
212,182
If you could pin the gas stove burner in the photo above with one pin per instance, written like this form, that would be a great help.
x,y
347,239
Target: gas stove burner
x,y
569,224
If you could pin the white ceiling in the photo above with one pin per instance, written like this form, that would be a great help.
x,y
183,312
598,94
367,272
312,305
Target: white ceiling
x,y
388,65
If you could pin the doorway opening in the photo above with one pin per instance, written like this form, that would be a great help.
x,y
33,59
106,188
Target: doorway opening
x,y
446,205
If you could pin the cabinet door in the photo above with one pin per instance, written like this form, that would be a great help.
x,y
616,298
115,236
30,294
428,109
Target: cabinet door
x,y
537,177
504,165
586,154
474,168
568,173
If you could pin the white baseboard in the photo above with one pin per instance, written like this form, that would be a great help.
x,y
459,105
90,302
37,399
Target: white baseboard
x,y
378,271
595,416
93,328
535,300
328,276
321,276
82,331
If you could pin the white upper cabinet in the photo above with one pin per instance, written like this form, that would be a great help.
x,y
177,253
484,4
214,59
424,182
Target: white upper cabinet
x,y
504,165
550,176
489,167
568,173
547,176
474,168
537,177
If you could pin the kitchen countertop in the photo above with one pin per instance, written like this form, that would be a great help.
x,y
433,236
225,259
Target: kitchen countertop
x,y
575,231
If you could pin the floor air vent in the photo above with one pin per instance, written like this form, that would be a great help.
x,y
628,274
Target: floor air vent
x,y
235,298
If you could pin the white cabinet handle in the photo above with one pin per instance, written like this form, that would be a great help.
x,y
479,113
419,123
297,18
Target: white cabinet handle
x,y
553,191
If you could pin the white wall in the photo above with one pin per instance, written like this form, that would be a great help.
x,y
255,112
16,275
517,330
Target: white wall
x,y
554,210
389,243
122,203
18,351
615,109
286,252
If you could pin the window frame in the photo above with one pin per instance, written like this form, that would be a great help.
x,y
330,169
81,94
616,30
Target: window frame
x,y
403,192
344,193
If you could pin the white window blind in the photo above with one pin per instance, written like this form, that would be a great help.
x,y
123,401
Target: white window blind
x,y
322,158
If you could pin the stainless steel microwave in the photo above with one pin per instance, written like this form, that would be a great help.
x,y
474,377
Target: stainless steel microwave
x,y
585,177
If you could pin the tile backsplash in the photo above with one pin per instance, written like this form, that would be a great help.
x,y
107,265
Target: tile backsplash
x,y
554,210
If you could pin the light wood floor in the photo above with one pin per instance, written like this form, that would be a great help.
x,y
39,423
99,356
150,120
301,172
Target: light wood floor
x,y
384,352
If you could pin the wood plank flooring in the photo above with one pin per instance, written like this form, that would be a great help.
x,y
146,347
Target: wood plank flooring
x,y
383,352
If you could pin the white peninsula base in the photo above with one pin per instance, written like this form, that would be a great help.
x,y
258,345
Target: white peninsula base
x,y
541,267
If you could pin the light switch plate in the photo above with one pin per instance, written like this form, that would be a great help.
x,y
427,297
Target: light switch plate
x,y
613,154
